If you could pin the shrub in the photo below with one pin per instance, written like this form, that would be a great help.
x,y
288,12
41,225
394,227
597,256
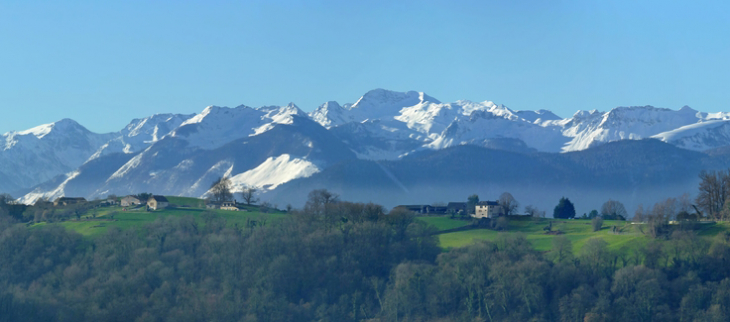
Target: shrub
x,y
597,223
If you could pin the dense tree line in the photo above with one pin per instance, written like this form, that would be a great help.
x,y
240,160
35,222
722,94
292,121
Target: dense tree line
x,y
341,261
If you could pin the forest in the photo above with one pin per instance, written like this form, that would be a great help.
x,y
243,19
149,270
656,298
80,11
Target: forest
x,y
343,261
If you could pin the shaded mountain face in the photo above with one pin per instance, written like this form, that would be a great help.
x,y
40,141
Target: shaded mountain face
x,y
398,146
634,172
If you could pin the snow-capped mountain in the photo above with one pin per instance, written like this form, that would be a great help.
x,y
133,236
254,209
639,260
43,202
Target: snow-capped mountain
x,y
699,136
36,155
270,146
394,124
378,104
141,133
626,123
420,119
216,126
172,166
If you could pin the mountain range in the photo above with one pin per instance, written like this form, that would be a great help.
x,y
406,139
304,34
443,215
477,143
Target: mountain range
x,y
387,147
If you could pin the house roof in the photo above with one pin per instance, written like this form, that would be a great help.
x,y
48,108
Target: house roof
x,y
70,198
159,198
488,203
131,197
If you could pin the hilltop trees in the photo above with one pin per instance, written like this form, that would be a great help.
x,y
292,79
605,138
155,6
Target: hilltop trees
x,y
321,206
221,190
531,210
8,206
714,189
508,203
144,196
5,201
564,209
613,210
249,195
471,204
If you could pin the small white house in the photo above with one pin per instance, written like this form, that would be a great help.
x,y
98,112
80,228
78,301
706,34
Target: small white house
x,y
487,209
129,201
157,202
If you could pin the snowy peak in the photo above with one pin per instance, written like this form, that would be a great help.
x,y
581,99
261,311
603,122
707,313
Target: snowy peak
x,y
141,133
381,98
329,114
154,127
623,123
57,132
687,109
281,114
699,136
216,126
648,116
377,104
61,127
38,154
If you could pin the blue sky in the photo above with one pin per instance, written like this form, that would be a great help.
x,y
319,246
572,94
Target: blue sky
x,y
103,63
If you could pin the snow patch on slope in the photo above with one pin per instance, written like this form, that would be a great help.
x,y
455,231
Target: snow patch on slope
x,y
216,126
700,136
59,192
622,123
274,172
131,164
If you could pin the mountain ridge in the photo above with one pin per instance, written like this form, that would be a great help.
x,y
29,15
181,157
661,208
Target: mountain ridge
x,y
382,126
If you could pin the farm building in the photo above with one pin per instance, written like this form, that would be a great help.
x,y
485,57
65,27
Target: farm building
x,y
487,209
65,201
129,201
157,202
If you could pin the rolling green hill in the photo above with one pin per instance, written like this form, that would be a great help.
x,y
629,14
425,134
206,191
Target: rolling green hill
x,y
97,221
577,231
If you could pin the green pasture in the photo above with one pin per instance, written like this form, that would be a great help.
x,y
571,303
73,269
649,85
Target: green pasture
x,y
444,223
577,231
97,221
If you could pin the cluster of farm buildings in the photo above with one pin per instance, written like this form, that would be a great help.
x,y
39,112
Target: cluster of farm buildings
x,y
482,209
154,202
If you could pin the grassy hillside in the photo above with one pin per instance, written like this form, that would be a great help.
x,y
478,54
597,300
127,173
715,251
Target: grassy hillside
x,y
97,221
578,231
186,202
444,223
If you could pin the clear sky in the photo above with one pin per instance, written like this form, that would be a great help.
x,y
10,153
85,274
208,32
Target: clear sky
x,y
103,63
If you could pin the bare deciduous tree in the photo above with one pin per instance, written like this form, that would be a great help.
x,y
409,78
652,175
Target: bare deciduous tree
x,y
249,195
320,201
613,210
658,218
639,215
508,203
714,189
531,210
221,190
